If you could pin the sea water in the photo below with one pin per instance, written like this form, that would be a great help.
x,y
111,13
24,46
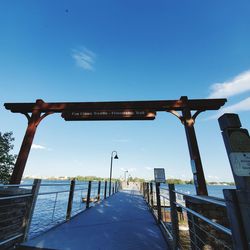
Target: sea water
x,y
51,207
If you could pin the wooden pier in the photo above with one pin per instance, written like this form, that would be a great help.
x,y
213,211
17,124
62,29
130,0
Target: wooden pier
x,y
121,222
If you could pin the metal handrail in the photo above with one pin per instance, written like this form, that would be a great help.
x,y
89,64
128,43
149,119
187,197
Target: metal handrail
x,y
216,202
54,184
15,185
164,197
214,224
15,196
81,189
172,196
58,214
56,192
10,239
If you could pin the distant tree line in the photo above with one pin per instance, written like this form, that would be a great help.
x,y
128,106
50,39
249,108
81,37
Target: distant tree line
x,y
91,178
184,182
179,181
135,179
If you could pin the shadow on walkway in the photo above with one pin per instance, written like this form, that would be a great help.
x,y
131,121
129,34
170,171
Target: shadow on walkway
x,y
123,221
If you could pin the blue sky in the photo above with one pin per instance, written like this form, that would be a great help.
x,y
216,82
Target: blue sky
x,y
124,50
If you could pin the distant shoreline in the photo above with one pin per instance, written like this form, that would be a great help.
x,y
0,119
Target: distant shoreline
x,y
94,178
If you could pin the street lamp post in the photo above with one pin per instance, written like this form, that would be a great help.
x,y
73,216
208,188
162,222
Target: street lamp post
x,y
116,157
125,172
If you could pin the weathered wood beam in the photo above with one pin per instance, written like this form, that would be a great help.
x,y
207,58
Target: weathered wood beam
x,y
162,105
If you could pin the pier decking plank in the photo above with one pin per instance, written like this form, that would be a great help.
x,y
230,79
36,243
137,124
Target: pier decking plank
x,y
123,221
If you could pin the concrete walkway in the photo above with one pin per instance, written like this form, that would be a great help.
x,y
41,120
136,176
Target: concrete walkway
x,y
122,222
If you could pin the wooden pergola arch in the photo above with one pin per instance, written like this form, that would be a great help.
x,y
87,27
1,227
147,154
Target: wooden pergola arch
x,y
126,110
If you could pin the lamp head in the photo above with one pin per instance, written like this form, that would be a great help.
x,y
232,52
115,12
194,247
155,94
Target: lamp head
x,y
116,157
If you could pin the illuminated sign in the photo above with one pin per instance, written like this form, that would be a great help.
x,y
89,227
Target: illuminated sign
x,y
108,115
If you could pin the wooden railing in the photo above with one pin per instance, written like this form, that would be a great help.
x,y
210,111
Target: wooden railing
x,y
20,205
189,221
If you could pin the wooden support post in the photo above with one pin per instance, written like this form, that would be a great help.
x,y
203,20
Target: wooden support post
x,y
105,190
70,199
174,217
151,194
237,143
158,199
20,164
88,195
98,190
34,192
236,140
235,220
113,189
148,193
197,169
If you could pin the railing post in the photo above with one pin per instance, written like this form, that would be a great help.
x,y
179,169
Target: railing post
x,y
148,193
34,192
235,219
151,194
143,188
105,190
158,199
70,200
174,216
113,189
88,195
99,191
237,143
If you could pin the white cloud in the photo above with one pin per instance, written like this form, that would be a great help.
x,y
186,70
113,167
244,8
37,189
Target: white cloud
x,y
238,107
84,58
235,108
149,168
238,85
36,146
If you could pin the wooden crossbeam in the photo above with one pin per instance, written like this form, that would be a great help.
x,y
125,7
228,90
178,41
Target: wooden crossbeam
x,y
162,105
